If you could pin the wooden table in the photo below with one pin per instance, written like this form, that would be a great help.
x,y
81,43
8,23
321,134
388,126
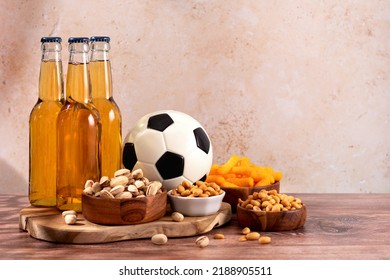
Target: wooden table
x,y
338,227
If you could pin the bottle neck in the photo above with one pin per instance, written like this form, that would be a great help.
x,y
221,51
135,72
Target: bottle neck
x,y
78,79
100,71
51,81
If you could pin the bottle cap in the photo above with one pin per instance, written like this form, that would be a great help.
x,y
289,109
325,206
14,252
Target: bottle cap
x,y
100,39
78,40
51,40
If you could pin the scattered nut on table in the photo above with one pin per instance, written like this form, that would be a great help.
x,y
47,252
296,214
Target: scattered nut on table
x,y
252,236
242,238
265,240
70,217
219,236
159,239
202,241
246,230
247,234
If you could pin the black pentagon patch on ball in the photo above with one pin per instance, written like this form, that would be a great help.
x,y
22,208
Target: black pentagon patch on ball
x,y
160,122
170,165
203,179
129,156
202,141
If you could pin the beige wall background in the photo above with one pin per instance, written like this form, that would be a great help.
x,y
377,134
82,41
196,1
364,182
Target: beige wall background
x,y
301,86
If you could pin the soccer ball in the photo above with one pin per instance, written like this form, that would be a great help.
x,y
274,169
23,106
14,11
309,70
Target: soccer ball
x,y
170,147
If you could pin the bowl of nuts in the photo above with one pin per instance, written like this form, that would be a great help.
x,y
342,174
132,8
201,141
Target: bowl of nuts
x,y
125,199
233,194
271,211
199,199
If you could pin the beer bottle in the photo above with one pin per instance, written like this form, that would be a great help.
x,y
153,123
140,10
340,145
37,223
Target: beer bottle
x,y
102,98
78,131
43,127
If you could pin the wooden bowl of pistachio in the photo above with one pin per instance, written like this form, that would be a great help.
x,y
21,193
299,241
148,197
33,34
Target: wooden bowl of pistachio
x,y
125,199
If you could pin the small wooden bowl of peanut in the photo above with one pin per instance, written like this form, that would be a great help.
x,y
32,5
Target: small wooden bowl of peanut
x,y
199,199
233,194
125,199
271,211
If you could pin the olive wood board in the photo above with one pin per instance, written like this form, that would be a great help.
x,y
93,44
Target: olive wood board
x,y
48,224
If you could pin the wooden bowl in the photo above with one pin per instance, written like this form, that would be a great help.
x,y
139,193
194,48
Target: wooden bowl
x,y
271,221
127,211
234,193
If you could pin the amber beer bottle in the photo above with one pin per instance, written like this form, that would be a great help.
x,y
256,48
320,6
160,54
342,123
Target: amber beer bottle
x,y
43,116
102,98
78,131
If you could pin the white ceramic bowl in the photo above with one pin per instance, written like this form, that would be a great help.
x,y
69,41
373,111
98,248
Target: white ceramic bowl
x,y
196,206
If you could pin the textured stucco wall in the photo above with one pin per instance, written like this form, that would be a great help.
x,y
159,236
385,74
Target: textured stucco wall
x,y
302,86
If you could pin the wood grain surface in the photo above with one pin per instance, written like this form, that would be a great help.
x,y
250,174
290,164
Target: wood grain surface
x,y
49,225
338,226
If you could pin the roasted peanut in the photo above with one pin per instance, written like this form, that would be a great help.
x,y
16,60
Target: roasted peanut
x,y
180,189
186,193
186,184
197,192
249,206
253,235
242,238
264,240
255,202
245,230
219,236
276,208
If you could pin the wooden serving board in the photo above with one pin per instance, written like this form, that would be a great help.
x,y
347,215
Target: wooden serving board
x,y
48,224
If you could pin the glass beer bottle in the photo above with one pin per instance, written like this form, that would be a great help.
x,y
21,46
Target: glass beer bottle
x,y
102,98
43,117
78,131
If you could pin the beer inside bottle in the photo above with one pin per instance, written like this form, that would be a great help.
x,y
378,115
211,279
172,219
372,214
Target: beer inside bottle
x,y
43,128
102,97
78,131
